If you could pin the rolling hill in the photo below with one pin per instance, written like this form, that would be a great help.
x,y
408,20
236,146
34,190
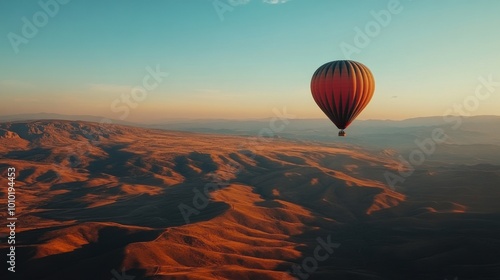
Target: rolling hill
x,y
103,201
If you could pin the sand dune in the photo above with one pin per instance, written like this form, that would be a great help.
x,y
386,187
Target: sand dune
x,y
97,200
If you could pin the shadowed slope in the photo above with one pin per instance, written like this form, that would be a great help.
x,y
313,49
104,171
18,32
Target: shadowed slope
x,y
170,205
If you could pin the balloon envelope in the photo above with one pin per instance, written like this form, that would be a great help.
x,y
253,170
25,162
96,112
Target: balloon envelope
x,y
342,89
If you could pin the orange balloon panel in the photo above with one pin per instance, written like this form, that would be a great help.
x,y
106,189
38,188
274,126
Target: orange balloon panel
x,y
342,89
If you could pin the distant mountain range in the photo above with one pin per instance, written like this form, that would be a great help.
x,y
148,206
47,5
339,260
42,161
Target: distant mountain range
x,y
51,116
378,134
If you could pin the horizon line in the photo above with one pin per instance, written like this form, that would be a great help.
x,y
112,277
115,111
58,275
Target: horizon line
x,y
56,116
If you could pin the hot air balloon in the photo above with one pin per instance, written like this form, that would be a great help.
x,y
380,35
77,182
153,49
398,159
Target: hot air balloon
x,y
342,89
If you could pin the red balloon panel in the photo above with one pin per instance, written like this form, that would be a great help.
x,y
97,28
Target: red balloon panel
x,y
342,89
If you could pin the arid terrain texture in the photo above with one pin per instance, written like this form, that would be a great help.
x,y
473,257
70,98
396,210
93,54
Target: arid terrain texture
x,y
110,202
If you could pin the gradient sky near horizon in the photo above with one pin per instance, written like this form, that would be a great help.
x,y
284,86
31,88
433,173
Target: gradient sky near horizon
x,y
246,61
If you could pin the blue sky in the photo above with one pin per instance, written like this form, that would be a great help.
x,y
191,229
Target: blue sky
x,y
245,59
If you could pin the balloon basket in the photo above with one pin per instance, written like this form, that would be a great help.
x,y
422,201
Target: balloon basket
x,y
342,133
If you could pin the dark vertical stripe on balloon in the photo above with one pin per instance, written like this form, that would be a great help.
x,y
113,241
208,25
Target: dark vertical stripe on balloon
x,y
339,89
348,88
353,91
348,80
349,93
320,83
329,94
328,89
357,91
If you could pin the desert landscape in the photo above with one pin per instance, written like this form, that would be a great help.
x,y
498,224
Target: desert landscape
x,y
250,140
119,202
